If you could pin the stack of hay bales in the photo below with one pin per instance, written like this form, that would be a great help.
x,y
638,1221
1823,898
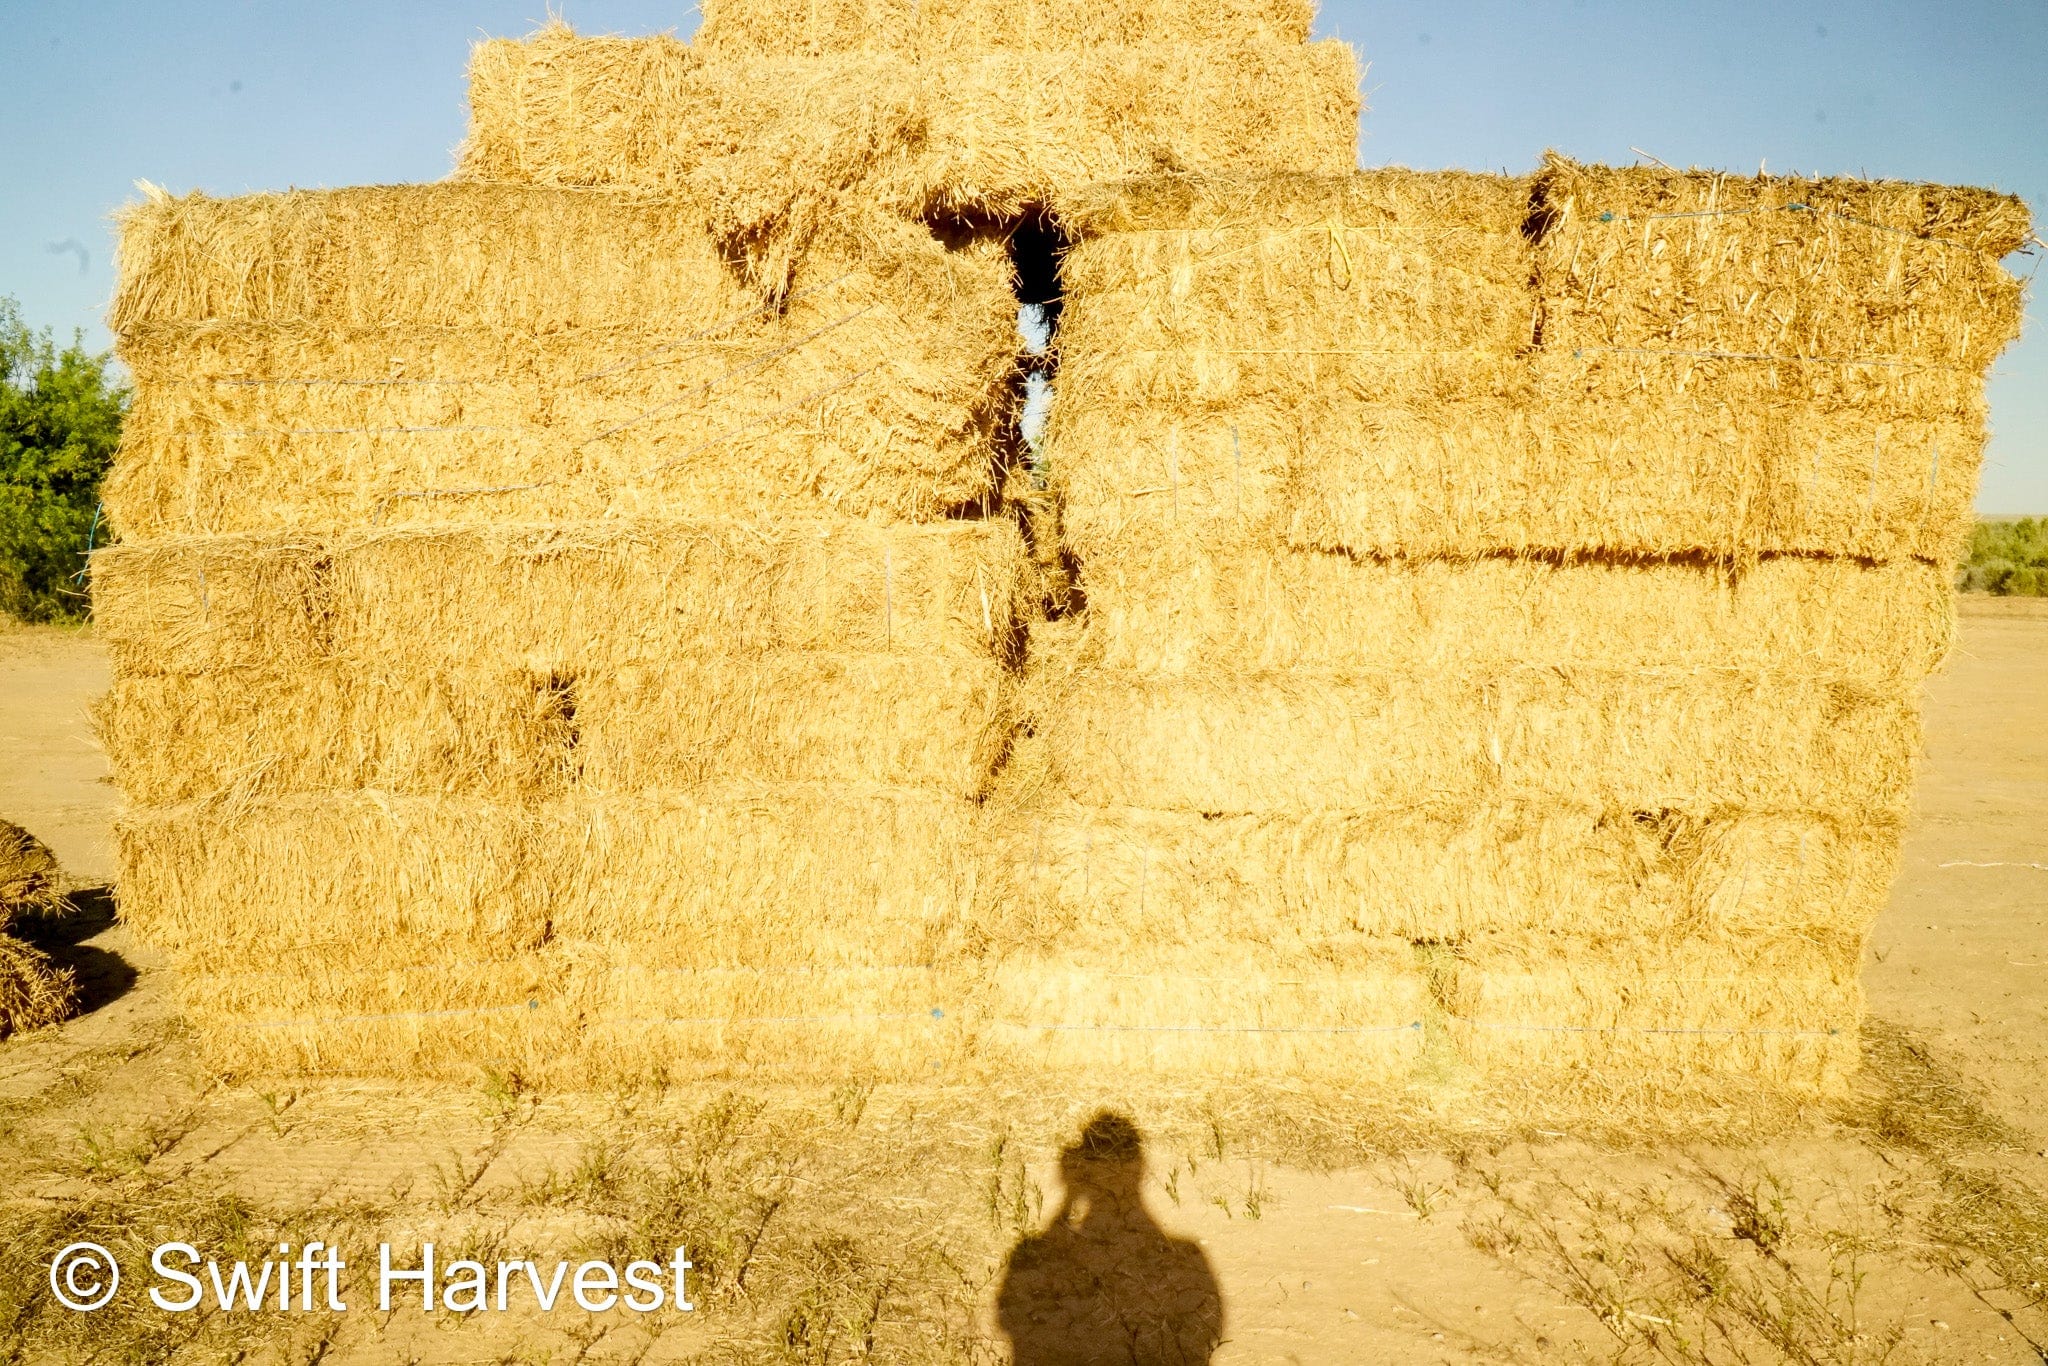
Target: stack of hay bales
x,y
33,992
1544,590
542,644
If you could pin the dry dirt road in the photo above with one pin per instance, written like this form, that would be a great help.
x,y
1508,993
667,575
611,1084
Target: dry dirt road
x,y
1906,1226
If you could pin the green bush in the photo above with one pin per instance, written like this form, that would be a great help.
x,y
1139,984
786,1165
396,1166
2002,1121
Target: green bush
x,y
2008,556
60,420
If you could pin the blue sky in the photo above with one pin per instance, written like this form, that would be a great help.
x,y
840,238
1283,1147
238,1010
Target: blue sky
x,y
228,97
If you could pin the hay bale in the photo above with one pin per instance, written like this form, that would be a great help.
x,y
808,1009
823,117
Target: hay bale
x,y
986,132
355,881
952,28
824,876
30,880
1643,740
34,992
506,731
1192,609
1486,401
1709,481
1783,1011
1354,1018
772,151
472,352
443,1021
550,596
1122,879
654,1025
1877,306
755,875
1201,292
1644,257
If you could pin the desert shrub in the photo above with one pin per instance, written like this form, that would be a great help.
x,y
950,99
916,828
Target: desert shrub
x,y
2008,556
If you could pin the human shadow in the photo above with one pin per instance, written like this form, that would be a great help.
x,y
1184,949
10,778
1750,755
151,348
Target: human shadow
x,y
1103,1282
102,977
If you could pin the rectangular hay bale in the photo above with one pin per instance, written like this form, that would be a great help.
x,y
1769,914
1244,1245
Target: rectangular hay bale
x,y
331,358
1190,609
953,28
987,132
512,733
1119,879
552,596
1356,1020
1683,740
1783,1011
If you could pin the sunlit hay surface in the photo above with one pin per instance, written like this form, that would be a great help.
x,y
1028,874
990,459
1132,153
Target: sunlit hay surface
x,y
551,595
986,130
947,28
1459,364
435,353
1124,877
1541,570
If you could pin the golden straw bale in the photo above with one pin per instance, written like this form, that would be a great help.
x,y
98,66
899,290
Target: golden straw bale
x,y
505,731
824,875
1122,879
987,132
1670,478
733,875
1690,740
352,880
447,1021
1386,285
422,257
660,1025
1783,1010
1355,1017
1819,270
30,880
1188,608
34,992
950,28
1012,130
768,152
551,597
873,391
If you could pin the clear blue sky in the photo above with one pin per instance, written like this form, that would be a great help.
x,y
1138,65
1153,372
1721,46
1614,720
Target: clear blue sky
x,y
261,94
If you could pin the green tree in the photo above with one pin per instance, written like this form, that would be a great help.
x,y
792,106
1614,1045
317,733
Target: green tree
x,y
60,420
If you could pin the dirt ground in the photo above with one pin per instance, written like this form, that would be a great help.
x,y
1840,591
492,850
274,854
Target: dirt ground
x,y
1908,1224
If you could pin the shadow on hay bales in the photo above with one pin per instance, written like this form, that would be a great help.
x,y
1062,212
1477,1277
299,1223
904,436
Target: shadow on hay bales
x,y
102,977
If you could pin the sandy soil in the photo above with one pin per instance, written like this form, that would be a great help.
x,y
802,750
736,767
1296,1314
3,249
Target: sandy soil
x,y
1906,1227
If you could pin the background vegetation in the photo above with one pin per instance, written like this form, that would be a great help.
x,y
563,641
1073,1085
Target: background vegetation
x,y
60,420
2009,555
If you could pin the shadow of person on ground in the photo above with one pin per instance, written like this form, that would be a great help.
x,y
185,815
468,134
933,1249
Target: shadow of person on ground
x,y
1103,1282
60,935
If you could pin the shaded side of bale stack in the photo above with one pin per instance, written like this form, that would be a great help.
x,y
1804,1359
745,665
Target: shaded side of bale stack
x,y
544,645
34,992
1478,565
